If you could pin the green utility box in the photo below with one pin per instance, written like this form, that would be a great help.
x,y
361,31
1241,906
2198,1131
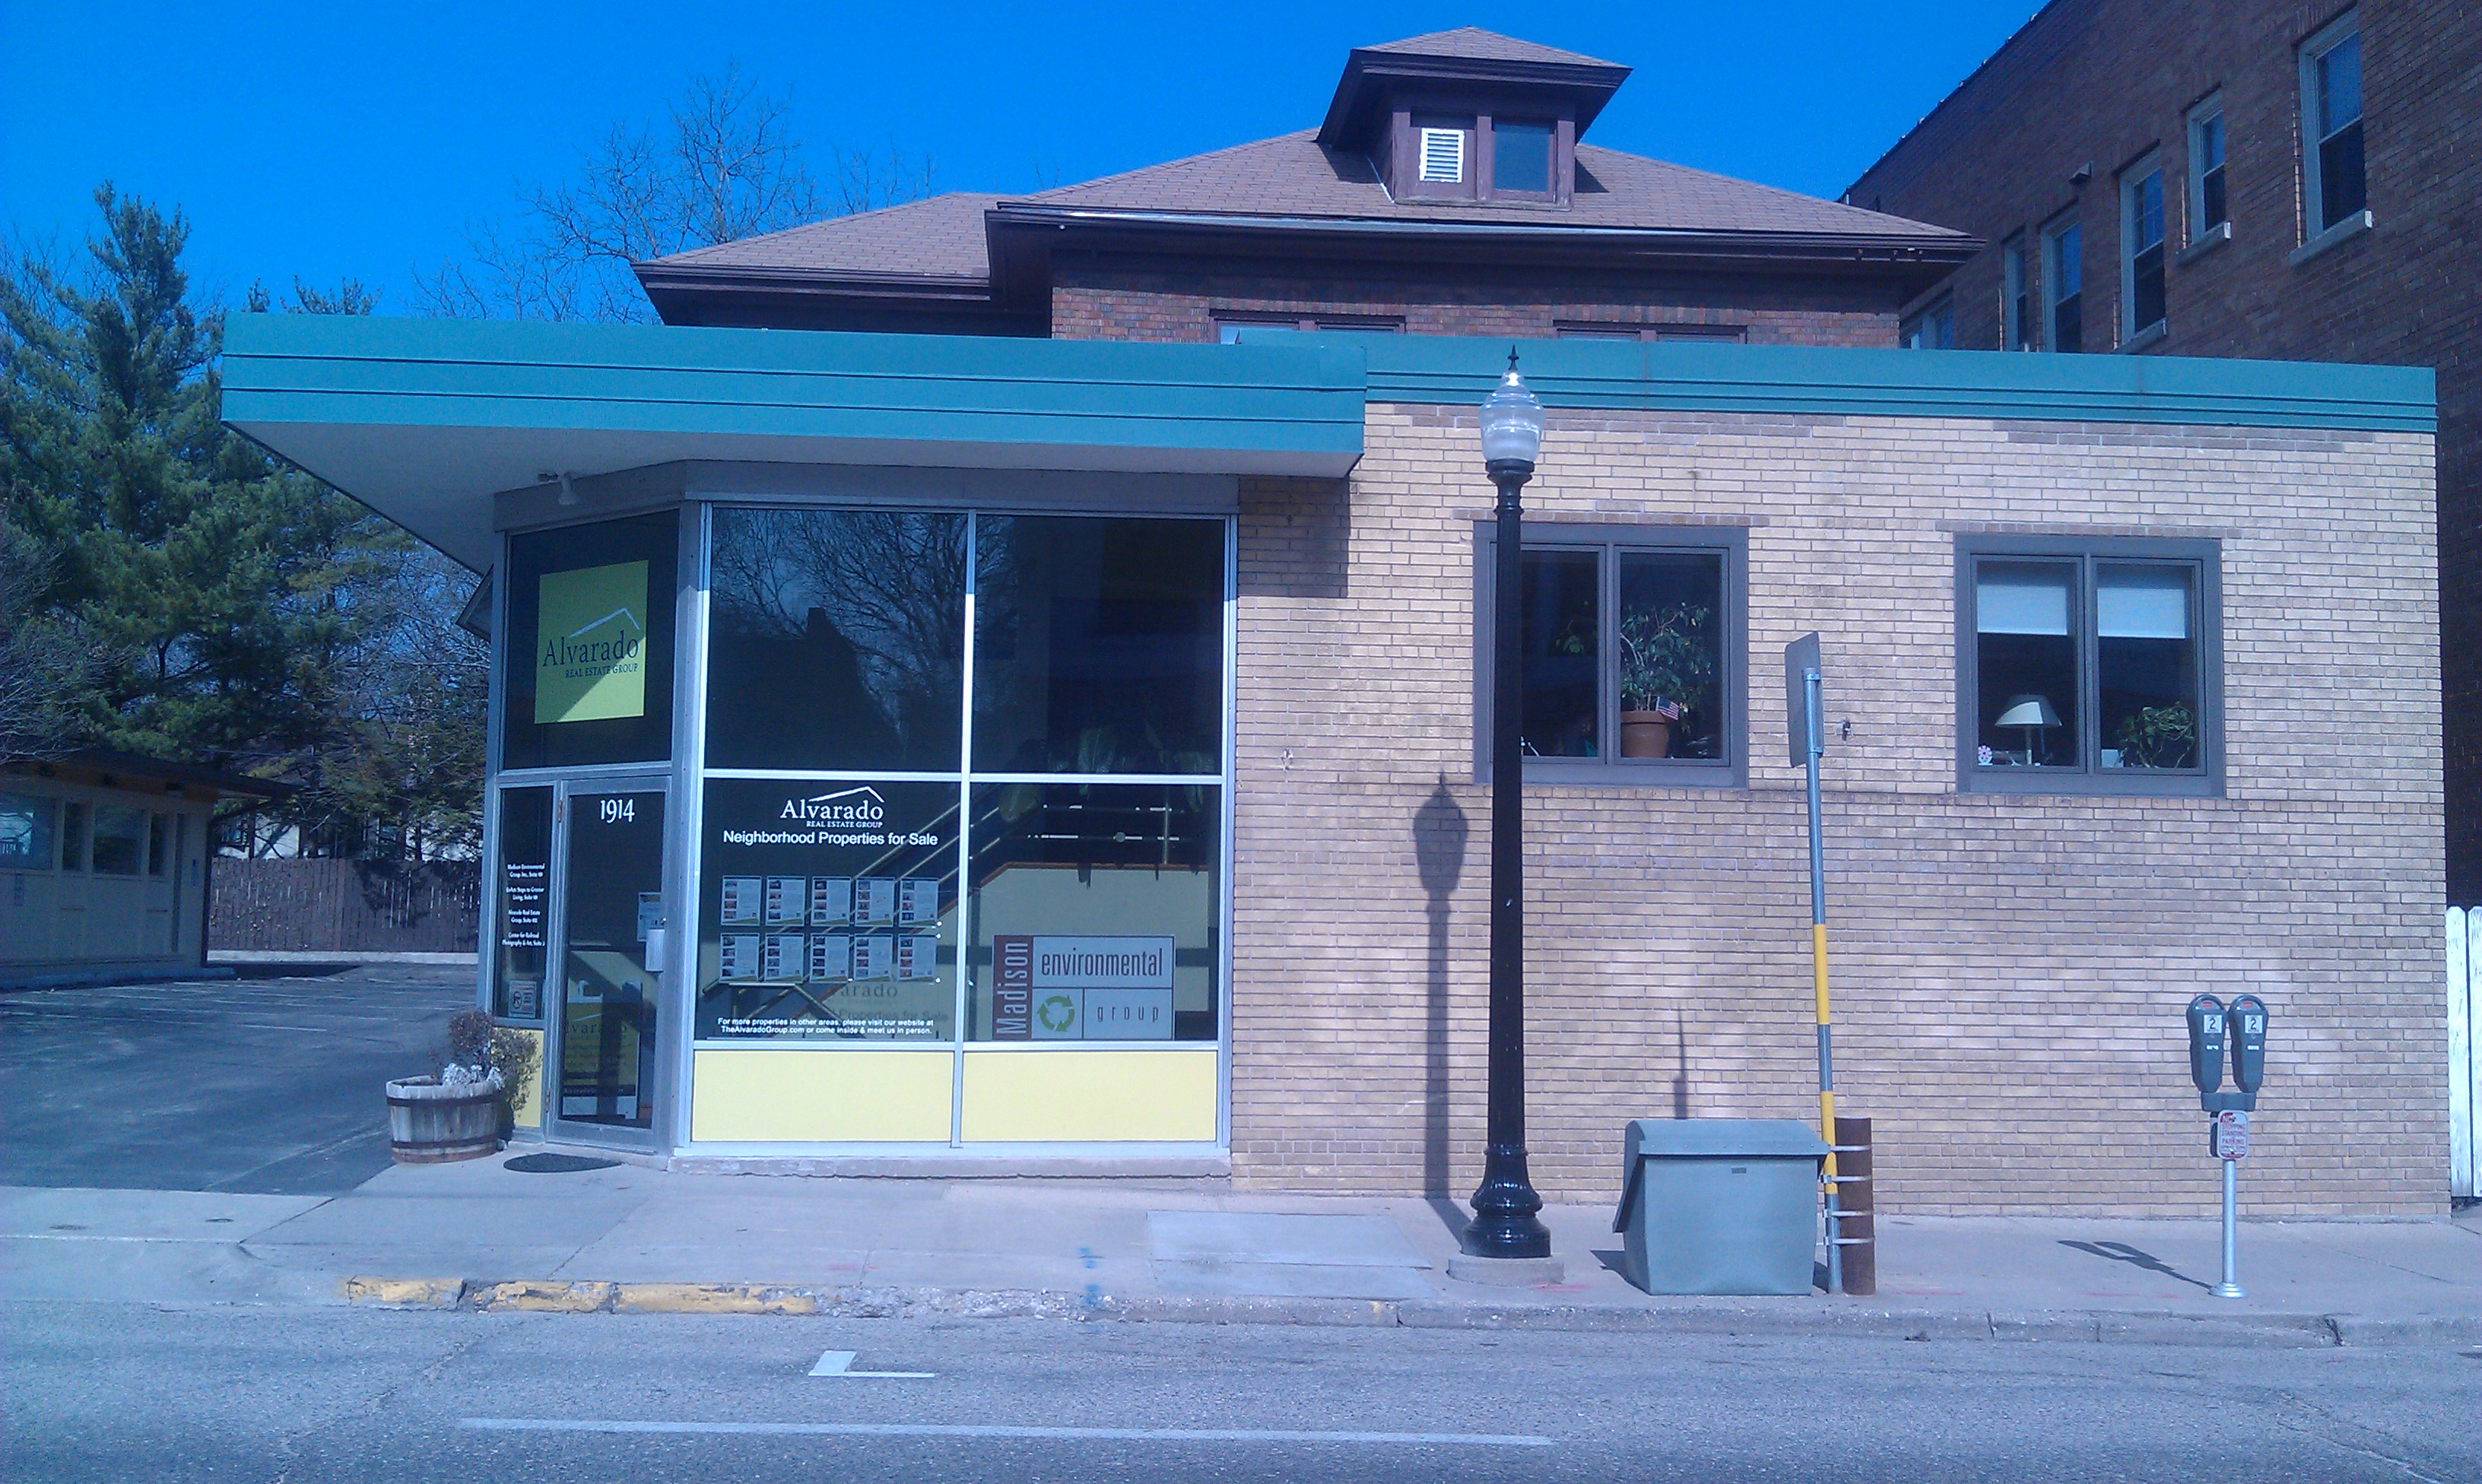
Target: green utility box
x,y
1720,1205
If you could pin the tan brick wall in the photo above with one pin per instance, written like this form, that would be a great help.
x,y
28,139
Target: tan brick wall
x,y
1668,927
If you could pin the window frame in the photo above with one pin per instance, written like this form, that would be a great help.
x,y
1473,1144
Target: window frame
x,y
1651,330
2055,264
2132,186
2016,295
1550,127
1938,318
1228,325
2314,213
47,832
2090,776
2208,110
1608,769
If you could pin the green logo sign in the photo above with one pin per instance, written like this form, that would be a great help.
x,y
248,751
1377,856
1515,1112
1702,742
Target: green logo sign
x,y
590,644
1056,1012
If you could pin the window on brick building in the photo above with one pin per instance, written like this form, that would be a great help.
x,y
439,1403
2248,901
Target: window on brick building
x,y
1229,328
2332,187
1520,157
2016,296
2063,285
2141,249
1627,329
2209,207
1632,644
2088,666
1932,328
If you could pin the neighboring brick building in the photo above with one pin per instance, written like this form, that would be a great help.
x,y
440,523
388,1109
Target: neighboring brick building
x,y
1447,193
2360,245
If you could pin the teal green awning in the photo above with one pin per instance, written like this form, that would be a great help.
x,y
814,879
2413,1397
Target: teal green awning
x,y
426,419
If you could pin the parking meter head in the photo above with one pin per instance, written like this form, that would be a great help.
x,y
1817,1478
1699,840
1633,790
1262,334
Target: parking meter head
x,y
2207,1042
2246,1023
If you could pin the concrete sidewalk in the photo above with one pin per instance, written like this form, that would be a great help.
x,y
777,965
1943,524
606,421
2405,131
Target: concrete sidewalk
x,y
480,1235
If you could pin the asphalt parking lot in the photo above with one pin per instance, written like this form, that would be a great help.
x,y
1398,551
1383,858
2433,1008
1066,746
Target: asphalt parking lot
x,y
266,1085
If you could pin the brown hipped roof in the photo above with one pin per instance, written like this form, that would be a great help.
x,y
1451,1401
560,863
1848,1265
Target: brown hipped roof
x,y
1477,44
1290,180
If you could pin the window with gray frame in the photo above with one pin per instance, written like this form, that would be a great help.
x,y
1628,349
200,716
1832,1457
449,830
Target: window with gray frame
x,y
2063,285
1631,638
2088,666
2333,186
2141,249
2016,296
2209,207
1932,328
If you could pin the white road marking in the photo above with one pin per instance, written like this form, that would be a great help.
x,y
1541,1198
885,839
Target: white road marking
x,y
948,1430
838,1364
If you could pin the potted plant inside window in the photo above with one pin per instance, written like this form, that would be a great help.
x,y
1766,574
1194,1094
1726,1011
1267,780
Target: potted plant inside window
x,y
1666,670
458,1113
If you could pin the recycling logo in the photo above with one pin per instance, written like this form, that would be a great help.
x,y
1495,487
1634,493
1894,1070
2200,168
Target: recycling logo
x,y
1056,1013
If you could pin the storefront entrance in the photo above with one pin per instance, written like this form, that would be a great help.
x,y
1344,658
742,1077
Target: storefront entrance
x,y
613,931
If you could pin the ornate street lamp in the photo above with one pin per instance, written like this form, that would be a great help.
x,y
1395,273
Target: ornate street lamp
x,y
1504,1223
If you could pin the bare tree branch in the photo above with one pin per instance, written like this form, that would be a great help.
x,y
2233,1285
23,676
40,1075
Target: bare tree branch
x,y
725,164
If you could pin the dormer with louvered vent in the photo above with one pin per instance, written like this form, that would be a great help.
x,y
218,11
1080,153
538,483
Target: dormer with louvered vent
x,y
1469,116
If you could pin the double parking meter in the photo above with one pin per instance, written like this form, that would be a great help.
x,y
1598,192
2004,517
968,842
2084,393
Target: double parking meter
x,y
2211,1026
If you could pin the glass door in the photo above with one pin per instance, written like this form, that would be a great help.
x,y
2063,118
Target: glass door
x,y
613,952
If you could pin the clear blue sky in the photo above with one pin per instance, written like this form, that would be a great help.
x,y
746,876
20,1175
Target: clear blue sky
x,y
359,140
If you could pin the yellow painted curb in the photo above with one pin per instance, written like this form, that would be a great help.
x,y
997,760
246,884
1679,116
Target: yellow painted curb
x,y
411,1292
707,1298
548,1297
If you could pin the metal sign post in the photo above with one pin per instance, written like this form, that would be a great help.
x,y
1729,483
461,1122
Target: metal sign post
x,y
1803,682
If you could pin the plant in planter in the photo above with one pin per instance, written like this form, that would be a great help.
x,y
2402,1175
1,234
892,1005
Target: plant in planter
x,y
2160,737
456,1114
1666,670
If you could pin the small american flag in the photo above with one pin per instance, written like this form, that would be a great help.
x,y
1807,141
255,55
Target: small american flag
x,y
1668,710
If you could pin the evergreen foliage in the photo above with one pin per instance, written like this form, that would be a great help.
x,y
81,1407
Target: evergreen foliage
x,y
185,595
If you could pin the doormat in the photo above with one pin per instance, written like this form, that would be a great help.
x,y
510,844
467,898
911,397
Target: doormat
x,y
556,1165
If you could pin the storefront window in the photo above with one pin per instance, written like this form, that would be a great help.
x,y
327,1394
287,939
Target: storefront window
x,y
587,674
25,832
1098,645
1095,912
518,944
119,839
73,816
828,910
836,640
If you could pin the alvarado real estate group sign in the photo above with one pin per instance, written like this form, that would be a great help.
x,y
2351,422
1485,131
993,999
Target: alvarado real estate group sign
x,y
590,644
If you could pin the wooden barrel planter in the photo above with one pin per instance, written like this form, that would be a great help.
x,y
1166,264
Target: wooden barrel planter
x,y
429,1124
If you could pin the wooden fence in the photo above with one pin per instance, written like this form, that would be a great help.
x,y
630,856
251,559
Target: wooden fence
x,y
344,906
2464,1051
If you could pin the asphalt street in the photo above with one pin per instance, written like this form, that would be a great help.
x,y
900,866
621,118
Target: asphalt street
x,y
123,1392
262,1085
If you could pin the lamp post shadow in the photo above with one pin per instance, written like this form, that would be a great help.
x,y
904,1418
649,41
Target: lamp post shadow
x,y
1440,833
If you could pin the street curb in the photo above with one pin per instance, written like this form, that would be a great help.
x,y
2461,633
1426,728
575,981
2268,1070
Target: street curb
x,y
2160,1328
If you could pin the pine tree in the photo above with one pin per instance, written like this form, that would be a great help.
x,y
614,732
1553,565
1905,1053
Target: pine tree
x,y
240,612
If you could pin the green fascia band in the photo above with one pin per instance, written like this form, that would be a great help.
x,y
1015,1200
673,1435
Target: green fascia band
x,y
324,369
1835,383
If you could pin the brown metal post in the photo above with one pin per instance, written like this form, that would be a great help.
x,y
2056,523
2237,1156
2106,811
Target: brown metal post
x,y
1853,1195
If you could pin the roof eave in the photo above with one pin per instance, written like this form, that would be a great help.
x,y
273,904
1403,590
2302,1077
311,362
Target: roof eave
x,y
1021,231
1592,84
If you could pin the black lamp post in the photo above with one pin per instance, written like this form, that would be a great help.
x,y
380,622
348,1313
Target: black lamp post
x,y
1504,1223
